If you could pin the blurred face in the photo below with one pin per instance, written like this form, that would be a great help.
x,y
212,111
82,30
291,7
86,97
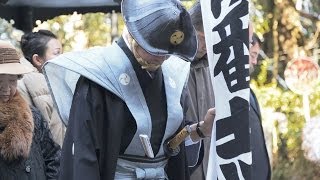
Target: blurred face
x,y
148,61
250,33
54,49
202,50
8,87
253,58
151,59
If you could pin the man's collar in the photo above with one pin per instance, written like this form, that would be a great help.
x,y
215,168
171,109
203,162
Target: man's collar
x,y
200,63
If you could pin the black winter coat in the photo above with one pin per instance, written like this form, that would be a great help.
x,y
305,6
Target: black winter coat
x,y
43,160
260,160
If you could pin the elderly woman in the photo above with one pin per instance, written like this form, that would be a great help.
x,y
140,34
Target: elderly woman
x,y
27,151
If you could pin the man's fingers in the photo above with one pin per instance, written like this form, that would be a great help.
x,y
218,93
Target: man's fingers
x,y
208,121
211,112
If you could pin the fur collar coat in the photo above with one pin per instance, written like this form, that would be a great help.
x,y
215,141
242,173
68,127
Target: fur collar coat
x,y
27,150
16,129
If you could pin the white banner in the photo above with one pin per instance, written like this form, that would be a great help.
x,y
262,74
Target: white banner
x,y
226,31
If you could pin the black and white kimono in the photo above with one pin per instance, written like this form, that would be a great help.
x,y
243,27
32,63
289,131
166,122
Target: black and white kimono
x,y
114,102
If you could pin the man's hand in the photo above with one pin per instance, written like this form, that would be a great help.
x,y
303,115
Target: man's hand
x,y
207,124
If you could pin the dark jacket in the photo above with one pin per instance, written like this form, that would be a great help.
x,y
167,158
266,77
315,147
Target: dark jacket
x,y
260,160
33,154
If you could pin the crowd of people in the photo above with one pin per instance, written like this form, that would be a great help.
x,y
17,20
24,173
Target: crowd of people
x,y
109,112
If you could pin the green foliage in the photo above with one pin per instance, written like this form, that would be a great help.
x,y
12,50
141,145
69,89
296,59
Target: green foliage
x,y
296,169
79,31
288,161
189,3
8,32
260,17
286,33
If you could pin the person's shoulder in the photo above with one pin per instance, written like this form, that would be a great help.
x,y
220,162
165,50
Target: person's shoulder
x,y
85,54
86,87
84,81
25,62
34,78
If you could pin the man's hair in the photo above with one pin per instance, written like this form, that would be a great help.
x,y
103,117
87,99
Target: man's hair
x,y
256,39
196,16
